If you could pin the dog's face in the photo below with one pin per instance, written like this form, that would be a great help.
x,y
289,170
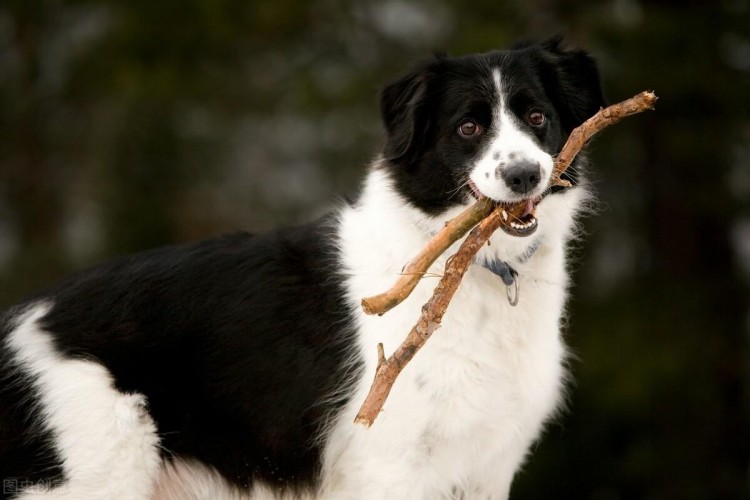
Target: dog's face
x,y
486,124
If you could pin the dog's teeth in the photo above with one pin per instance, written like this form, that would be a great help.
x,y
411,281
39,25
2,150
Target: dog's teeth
x,y
505,215
521,225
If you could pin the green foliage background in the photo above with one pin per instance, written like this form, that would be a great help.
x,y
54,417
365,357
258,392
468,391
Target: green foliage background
x,y
130,124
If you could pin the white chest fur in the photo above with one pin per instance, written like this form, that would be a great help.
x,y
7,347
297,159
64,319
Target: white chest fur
x,y
463,413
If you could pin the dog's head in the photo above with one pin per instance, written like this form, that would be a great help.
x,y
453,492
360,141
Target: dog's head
x,y
488,124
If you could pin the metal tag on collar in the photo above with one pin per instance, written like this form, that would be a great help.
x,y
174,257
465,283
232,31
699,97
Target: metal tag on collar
x,y
513,297
509,277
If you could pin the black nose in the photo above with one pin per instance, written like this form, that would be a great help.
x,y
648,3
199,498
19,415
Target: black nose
x,y
522,177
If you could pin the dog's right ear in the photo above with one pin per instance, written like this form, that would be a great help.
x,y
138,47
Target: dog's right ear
x,y
578,89
404,108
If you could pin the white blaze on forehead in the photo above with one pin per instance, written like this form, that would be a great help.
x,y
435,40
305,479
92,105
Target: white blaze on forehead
x,y
509,143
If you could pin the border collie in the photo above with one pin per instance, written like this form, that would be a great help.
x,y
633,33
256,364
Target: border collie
x,y
234,367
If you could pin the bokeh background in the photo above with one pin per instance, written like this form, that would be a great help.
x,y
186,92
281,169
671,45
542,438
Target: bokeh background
x,y
126,124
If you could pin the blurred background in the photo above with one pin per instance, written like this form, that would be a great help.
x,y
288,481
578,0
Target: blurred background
x,y
126,124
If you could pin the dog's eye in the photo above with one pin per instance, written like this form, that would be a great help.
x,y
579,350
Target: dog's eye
x,y
469,129
536,118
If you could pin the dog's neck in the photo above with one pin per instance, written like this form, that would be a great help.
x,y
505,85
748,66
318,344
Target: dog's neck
x,y
388,208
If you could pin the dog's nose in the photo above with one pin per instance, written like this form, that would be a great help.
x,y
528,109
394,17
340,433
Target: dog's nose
x,y
522,177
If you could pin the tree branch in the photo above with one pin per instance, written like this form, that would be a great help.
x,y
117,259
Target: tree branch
x,y
413,271
458,226
433,311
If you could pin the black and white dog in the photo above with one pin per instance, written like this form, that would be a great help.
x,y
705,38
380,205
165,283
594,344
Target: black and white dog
x,y
234,367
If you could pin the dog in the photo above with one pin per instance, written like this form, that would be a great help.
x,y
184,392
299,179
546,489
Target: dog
x,y
233,368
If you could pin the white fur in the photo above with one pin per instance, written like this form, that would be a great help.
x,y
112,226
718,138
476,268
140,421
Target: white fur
x,y
463,413
189,479
107,441
509,143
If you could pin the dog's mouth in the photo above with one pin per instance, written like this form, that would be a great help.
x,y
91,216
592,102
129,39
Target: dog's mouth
x,y
523,225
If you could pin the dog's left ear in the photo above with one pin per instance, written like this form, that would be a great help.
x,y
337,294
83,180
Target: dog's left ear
x,y
578,89
404,108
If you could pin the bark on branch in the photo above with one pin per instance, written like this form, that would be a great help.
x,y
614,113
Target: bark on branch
x,y
491,219
413,271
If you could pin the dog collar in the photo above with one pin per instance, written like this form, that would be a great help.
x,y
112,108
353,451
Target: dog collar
x,y
510,275
507,273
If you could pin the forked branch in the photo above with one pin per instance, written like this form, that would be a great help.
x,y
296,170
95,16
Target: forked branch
x,y
491,219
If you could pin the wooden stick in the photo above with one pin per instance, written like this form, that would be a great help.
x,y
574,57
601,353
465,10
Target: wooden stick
x,y
429,321
603,118
416,268
433,311
462,223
